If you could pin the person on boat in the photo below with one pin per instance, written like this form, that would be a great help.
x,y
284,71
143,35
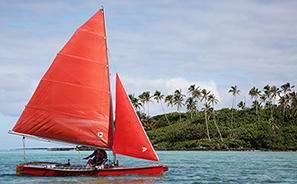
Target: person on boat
x,y
100,157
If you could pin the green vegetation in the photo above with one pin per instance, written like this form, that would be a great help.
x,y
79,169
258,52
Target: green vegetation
x,y
264,125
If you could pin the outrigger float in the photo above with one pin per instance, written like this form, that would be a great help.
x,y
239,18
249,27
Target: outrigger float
x,y
73,104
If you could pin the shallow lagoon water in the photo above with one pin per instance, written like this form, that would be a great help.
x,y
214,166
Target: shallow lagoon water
x,y
184,167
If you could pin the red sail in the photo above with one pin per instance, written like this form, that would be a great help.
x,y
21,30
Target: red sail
x,y
130,138
72,101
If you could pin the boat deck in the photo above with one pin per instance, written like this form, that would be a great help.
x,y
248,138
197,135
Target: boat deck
x,y
54,170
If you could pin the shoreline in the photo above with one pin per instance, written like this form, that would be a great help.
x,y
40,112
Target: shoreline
x,y
225,149
199,148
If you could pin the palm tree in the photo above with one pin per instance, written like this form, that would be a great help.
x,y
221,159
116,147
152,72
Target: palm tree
x,y
263,99
191,105
267,105
241,105
135,102
158,97
191,90
286,98
284,101
293,100
206,107
267,93
145,120
178,100
255,92
142,100
286,87
169,100
146,98
212,99
274,93
196,94
205,98
255,103
234,91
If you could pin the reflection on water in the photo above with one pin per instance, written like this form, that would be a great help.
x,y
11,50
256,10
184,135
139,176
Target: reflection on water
x,y
148,179
89,179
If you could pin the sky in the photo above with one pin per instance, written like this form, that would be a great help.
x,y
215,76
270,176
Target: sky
x,y
154,45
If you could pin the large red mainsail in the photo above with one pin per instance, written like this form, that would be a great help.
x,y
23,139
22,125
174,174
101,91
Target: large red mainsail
x,y
72,101
130,138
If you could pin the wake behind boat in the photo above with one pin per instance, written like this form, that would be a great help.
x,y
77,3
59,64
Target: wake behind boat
x,y
73,104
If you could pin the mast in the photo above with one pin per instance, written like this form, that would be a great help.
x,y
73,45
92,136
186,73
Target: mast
x,y
109,76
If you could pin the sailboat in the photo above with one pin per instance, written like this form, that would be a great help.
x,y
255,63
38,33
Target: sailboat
x,y
73,104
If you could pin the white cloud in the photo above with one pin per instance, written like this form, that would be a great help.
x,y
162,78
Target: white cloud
x,y
166,86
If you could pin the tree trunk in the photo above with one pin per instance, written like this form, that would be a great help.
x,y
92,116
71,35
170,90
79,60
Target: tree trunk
x,y
197,110
179,115
232,117
232,111
206,122
271,109
218,129
257,111
214,120
164,113
284,111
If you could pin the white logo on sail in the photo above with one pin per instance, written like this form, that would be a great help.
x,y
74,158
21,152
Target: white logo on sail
x,y
144,149
100,134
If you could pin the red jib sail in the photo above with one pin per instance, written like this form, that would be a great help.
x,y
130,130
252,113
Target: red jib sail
x,y
72,101
130,138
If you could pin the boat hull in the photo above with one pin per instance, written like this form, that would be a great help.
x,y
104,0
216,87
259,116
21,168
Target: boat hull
x,y
42,171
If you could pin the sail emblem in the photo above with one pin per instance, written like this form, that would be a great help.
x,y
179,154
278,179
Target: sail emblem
x,y
100,134
144,149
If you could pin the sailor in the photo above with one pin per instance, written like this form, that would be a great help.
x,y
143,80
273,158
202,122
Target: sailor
x,y
100,157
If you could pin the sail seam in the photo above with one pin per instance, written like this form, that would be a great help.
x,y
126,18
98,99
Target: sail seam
x,y
90,60
66,83
87,32
91,32
67,114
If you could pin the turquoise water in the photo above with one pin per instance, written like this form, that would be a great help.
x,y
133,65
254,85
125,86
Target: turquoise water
x,y
184,167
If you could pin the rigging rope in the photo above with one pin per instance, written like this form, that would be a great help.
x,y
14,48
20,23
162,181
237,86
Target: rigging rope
x,y
80,158
110,56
